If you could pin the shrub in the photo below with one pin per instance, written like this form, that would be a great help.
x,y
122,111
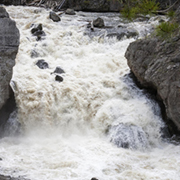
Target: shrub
x,y
167,30
134,8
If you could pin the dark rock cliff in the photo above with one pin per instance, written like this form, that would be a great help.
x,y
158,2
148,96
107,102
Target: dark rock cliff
x,y
94,5
9,42
84,5
156,65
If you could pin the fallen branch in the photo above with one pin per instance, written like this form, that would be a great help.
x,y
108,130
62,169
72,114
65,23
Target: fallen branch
x,y
163,11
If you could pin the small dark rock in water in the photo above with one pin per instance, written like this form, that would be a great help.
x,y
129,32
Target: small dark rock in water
x,y
99,22
59,70
1,159
34,54
119,36
38,31
54,16
37,28
58,78
42,64
38,38
130,34
94,178
70,12
5,177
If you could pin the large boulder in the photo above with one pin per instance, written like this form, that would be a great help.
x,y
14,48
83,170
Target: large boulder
x,y
99,22
9,42
156,65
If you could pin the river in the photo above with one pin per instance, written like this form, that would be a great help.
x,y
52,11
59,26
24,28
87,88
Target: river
x,y
96,122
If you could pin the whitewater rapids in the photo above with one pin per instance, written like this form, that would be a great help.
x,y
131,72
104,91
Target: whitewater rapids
x,y
64,125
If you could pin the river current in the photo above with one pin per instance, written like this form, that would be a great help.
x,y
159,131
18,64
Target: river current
x,y
95,123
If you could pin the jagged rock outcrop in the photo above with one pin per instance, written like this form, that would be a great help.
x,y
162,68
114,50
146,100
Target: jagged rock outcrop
x,y
9,42
156,65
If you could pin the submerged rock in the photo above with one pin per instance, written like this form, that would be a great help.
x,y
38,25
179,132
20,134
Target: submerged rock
x,y
128,136
12,127
119,36
34,54
42,64
114,31
54,16
70,12
2,177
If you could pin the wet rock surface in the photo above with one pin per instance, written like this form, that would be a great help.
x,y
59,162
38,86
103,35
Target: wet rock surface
x,y
99,28
42,64
59,70
54,16
59,78
37,31
2,177
99,22
156,65
128,136
9,43
70,12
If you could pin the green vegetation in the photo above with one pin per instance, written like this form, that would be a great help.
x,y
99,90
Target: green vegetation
x,y
86,2
134,8
167,30
171,14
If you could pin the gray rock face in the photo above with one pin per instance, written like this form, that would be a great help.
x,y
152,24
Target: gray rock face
x,y
9,42
156,65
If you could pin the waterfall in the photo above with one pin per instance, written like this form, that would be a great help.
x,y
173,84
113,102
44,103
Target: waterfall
x,y
79,116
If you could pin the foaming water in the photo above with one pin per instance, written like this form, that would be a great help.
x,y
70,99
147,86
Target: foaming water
x,y
75,129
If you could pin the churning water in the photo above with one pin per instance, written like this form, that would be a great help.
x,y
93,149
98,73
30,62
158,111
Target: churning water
x,y
95,123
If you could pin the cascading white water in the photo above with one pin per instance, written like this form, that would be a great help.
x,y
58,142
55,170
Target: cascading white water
x,y
71,129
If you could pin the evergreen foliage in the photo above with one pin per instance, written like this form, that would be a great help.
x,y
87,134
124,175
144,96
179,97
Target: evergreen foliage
x,y
134,8
167,30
